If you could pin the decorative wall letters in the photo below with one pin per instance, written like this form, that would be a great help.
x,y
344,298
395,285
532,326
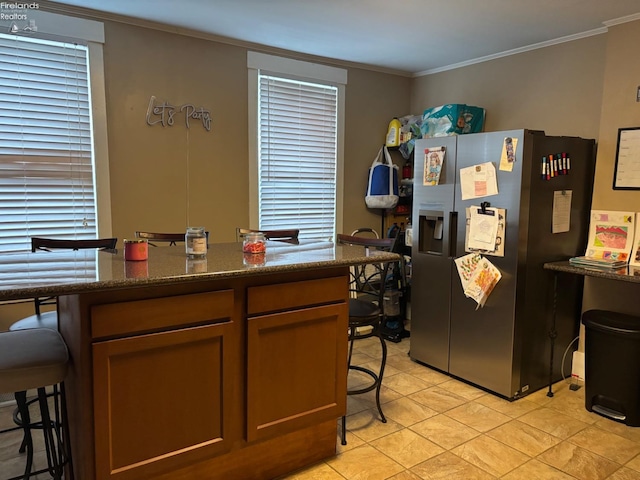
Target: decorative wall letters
x,y
164,112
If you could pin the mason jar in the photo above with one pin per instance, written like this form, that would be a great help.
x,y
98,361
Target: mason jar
x,y
254,242
195,241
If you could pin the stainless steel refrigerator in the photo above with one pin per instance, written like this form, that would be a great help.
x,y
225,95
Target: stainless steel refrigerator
x,y
505,346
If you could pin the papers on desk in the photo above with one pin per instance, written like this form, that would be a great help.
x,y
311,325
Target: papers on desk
x,y
599,263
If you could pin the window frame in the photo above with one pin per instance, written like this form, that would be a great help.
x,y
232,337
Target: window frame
x,y
296,70
62,28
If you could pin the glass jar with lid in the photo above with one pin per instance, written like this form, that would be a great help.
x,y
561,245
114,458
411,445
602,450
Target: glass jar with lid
x,y
195,241
254,242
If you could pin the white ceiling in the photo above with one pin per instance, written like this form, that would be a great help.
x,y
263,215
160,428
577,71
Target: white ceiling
x,y
417,36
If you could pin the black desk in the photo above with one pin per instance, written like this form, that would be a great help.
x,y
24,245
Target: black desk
x,y
624,274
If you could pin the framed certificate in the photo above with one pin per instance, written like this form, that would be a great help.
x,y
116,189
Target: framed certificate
x,y
626,175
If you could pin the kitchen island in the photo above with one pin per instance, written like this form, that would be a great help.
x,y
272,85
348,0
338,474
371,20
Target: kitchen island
x,y
229,367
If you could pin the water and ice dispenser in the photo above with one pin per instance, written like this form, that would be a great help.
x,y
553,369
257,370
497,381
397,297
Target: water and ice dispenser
x,y
430,232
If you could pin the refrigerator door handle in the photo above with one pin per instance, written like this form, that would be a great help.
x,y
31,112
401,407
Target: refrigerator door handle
x,y
453,234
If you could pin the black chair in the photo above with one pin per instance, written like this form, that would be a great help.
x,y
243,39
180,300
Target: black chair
x,y
285,235
366,310
155,238
35,359
50,319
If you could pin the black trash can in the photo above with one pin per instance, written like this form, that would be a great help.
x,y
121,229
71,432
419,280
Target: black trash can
x,y
612,365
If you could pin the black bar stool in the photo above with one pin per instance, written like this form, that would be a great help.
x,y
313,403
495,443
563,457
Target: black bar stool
x,y
366,312
35,359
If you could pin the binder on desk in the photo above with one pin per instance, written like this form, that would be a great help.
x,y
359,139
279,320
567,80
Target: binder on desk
x,y
592,262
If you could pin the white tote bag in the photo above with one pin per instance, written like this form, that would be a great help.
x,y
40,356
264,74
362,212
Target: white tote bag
x,y
382,189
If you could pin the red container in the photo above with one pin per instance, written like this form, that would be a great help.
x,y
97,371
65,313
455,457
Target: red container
x,y
136,250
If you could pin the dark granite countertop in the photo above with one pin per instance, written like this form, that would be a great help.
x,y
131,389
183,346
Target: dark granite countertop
x,y
28,275
624,274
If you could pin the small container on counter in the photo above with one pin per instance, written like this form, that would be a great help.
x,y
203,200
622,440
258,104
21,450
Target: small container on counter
x,y
136,269
254,242
197,265
195,241
254,259
136,249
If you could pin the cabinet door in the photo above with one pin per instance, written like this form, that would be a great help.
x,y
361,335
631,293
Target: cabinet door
x,y
162,400
297,366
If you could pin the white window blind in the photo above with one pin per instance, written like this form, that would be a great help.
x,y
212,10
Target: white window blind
x,y
46,158
297,130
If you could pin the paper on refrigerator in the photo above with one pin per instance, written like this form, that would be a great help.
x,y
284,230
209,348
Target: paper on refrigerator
x,y
483,228
478,276
478,181
497,249
433,163
561,216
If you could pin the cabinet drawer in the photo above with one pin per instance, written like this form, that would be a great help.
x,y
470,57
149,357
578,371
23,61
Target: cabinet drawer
x,y
289,296
124,318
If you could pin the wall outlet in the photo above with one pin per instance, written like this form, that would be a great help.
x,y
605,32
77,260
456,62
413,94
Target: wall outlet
x,y
577,365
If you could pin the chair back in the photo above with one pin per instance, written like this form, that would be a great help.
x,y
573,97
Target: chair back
x,y
287,235
154,237
365,232
46,244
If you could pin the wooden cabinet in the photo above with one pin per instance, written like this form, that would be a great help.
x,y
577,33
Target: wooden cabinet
x,y
222,379
163,399
296,375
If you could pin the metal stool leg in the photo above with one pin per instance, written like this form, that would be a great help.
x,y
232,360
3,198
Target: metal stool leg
x,y
48,430
66,441
27,441
377,377
383,362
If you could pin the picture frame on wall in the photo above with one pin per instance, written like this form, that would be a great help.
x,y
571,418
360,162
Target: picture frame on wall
x,y
626,174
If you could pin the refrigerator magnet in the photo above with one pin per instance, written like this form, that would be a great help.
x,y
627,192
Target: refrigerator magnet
x,y
433,161
508,157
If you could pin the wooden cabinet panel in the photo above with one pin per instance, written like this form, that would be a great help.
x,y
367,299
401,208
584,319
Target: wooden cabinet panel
x,y
296,369
162,399
126,318
288,296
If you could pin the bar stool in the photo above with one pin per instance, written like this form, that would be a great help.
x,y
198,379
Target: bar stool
x,y
366,312
35,359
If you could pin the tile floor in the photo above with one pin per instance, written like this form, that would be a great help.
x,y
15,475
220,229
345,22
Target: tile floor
x,y
440,428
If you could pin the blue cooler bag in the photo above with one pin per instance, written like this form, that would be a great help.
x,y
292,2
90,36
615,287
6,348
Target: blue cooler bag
x,y
382,191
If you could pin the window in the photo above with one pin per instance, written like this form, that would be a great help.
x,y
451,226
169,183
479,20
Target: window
x,y
47,133
298,168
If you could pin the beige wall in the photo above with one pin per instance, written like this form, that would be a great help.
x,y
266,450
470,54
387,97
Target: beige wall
x,y
557,89
619,110
165,178
153,167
